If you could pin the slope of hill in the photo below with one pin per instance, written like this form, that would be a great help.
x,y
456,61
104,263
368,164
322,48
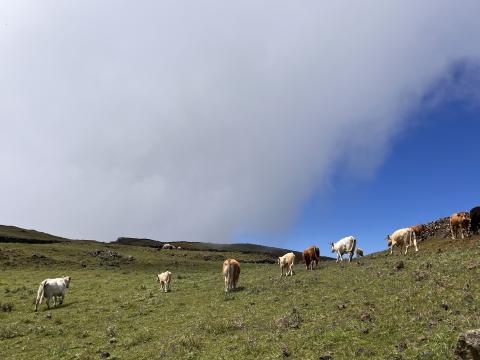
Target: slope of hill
x,y
16,234
201,246
378,307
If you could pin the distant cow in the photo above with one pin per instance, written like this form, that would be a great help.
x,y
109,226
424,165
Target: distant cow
x,y
164,279
311,256
402,237
358,252
344,246
286,263
52,288
419,231
168,247
475,220
231,273
459,223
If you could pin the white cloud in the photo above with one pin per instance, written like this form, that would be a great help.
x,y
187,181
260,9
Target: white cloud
x,y
204,120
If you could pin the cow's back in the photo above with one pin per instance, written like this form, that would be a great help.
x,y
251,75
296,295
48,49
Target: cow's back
x,y
402,235
231,267
54,287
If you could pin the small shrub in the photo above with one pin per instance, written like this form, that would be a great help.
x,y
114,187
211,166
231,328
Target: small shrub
x,y
6,307
111,331
9,332
289,321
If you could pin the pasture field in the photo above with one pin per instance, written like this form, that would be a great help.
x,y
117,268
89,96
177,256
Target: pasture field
x,y
367,309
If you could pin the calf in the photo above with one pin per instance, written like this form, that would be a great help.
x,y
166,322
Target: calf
x,y
400,238
52,288
475,220
459,223
164,279
311,256
286,263
344,246
231,273
358,252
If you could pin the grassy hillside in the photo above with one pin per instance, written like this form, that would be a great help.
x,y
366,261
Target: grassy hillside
x,y
270,251
16,234
371,308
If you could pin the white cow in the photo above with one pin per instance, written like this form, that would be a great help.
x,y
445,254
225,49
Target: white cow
x,y
343,246
164,279
52,288
402,237
286,263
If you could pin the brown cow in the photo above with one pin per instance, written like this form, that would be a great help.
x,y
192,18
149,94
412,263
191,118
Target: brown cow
x,y
311,256
460,222
231,273
419,230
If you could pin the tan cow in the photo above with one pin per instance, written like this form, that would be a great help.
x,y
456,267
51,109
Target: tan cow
x,y
402,237
286,263
419,230
460,222
164,279
311,256
231,273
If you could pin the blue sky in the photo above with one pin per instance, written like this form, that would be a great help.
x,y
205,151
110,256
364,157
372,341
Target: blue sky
x,y
431,171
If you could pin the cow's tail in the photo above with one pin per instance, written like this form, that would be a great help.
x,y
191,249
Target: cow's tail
x,y
317,252
354,245
40,294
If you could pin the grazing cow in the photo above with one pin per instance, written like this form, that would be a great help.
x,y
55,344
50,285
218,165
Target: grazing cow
x,y
459,222
402,237
164,279
344,246
231,273
52,288
475,220
311,256
419,231
286,263
358,252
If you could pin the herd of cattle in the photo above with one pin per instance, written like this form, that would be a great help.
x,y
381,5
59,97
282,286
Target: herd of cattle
x,y
461,223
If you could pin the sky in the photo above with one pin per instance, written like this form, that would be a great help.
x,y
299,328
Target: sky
x,y
279,123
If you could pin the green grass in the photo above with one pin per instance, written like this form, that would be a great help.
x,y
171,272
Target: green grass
x,y
365,309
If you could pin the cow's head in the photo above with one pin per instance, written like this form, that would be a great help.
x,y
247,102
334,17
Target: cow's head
x,y
332,247
389,240
158,278
67,281
278,261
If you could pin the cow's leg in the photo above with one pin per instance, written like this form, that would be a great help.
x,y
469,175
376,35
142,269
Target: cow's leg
x,y
61,299
461,232
48,303
451,229
351,255
406,248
